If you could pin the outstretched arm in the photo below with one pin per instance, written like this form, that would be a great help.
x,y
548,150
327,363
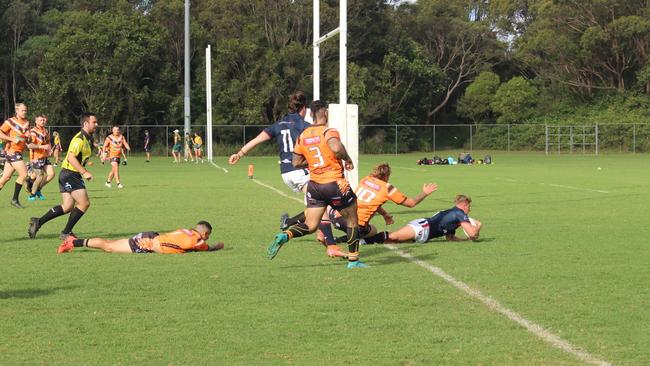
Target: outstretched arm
x,y
214,248
234,158
427,189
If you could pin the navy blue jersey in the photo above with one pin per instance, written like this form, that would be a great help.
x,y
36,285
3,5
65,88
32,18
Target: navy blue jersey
x,y
286,132
446,222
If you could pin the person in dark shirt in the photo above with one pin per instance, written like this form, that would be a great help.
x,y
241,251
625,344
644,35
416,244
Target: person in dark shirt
x,y
442,223
285,132
147,145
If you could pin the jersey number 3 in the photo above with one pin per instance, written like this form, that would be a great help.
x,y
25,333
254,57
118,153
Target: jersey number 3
x,y
317,155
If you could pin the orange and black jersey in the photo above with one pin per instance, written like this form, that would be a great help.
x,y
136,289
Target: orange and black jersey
x,y
324,166
114,145
371,194
38,136
181,241
16,127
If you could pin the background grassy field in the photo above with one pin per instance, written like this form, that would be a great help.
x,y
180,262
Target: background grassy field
x,y
564,245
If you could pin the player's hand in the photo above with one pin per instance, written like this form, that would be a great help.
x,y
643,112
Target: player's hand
x,y
429,188
217,246
349,165
388,219
234,158
88,176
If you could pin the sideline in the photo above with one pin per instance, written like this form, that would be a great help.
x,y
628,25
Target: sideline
x,y
491,303
218,167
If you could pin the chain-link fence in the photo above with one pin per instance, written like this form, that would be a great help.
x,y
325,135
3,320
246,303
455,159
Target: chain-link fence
x,y
395,139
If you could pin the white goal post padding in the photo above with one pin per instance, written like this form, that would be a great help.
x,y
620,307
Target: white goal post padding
x,y
349,130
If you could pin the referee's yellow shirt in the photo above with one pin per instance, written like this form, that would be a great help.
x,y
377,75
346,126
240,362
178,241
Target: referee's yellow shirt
x,y
80,147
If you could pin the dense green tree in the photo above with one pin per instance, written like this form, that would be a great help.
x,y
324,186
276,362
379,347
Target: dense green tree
x,y
475,104
515,101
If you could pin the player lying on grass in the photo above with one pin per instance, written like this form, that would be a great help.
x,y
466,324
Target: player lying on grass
x,y
442,223
373,191
179,241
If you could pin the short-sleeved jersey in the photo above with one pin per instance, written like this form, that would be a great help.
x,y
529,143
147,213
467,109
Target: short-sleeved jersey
x,y
285,132
114,145
371,194
198,140
146,140
324,166
81,147
181,241
38,136
15,127
57,140
446,222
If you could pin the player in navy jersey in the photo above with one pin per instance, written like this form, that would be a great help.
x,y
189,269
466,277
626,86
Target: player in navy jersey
x,y
285,132
443,223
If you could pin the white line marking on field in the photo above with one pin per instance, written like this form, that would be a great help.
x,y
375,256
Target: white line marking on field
x,y
491,303
575,188
224,169
277,190
494,305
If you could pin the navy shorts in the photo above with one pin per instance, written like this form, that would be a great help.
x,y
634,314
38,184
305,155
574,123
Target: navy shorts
x,y
337,194
12,158
141,242
115,160
39,164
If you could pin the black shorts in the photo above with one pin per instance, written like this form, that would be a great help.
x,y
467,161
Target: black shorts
x,y
115,160
70,181
39,164
337,194
147,149
140,242
12,158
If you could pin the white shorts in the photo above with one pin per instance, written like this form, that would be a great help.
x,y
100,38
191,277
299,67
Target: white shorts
x,y
421,229
296,179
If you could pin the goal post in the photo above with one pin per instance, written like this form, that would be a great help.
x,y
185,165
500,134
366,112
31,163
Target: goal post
x,y
343,116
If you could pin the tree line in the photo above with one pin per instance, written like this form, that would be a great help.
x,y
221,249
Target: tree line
x,y
423,62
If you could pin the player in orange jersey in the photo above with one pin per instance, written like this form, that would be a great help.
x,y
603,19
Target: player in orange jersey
x,y
319,148
175,242
40,148
15,131
373,191
114,144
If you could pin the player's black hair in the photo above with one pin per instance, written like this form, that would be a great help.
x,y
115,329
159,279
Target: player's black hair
x,y
317,105
86,116
206,224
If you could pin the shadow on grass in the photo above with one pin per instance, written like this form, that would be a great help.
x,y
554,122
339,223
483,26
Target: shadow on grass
x,y
31,293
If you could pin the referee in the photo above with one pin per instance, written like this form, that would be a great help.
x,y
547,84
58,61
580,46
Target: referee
x,y
71,180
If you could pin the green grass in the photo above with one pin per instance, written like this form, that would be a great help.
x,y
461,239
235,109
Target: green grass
x,y
553,249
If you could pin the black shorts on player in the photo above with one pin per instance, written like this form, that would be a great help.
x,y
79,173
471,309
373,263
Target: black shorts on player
x,y
115,160
134,241
12,158
330,194
39,164
70,181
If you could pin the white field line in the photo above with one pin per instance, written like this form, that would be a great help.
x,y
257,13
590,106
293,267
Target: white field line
x,y
492,304
218,167
574,188
496,306
558,186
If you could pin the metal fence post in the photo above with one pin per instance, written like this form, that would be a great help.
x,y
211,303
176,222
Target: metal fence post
x,y
596,138
395,139
471,139
243,128
634,138
433,139
508,137
546,130
166,140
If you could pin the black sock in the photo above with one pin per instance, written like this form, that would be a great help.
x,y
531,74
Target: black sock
x,y
326,228
341,239
353,243
296,219
80,242
75,215
52,213
377,238
298,230
17,189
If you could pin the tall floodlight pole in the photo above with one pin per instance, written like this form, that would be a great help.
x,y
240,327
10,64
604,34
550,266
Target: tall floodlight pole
x,y
316,57
187,67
